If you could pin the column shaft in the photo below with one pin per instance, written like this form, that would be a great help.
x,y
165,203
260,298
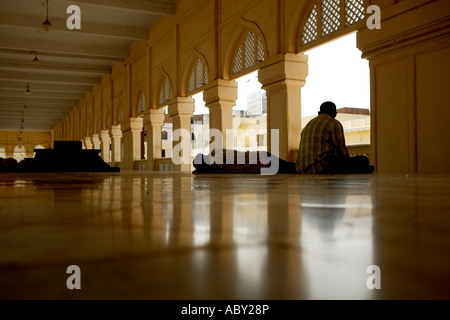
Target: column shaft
x,y
88,142
181,111
115,134
283,81
105,145
220,99
131,133
154,121
95,141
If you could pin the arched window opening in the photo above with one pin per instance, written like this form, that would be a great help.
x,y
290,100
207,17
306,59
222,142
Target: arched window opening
x,y
141,104
120,115
333,16
199,76
165,93
249,54
354,12
309,33
108,118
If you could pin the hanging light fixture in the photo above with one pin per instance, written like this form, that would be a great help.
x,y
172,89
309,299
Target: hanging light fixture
x,y
28,91
47,26
35,60
19,136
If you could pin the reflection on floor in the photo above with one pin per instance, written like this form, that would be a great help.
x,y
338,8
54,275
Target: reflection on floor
x,y
182,236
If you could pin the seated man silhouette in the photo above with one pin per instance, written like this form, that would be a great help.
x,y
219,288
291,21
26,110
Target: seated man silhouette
x,y
322,147
322,150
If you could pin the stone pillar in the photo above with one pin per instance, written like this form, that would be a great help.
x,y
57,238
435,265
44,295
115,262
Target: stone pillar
x,y
88,142
181,111
409,80
95,141
115,134
220,99
283,80
105,145
131,133
153,121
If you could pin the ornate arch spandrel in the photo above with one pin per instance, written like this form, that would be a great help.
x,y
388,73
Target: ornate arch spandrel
x,y
326,20
165,90
197,75
247,52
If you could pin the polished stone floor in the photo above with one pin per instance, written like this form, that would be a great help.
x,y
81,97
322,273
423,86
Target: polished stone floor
x,y
181,236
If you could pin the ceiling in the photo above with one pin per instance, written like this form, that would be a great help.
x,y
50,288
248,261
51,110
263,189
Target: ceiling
x,y
71,62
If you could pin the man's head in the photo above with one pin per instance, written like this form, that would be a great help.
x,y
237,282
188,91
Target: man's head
x,y
329,108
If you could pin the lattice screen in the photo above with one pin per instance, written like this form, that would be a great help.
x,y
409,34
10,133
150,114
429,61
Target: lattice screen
x,y
354,11
108,119
141,105
250,52
120,116
310,30
166,92
161,97
238,61
332,13
330,16
199,76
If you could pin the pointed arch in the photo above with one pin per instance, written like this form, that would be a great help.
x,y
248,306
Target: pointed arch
x,y
198,75
165,90
248,50
108,118
139,99
141,103
98,120
325,20
118,112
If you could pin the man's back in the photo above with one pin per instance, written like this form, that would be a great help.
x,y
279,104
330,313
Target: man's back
x,y
321,139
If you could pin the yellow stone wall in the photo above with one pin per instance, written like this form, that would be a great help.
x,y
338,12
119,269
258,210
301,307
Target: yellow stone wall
x,y
408,60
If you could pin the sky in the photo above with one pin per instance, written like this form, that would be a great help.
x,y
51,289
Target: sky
x,y
336,72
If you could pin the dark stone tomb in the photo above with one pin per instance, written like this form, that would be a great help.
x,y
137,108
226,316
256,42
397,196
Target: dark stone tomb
x,y
66,156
